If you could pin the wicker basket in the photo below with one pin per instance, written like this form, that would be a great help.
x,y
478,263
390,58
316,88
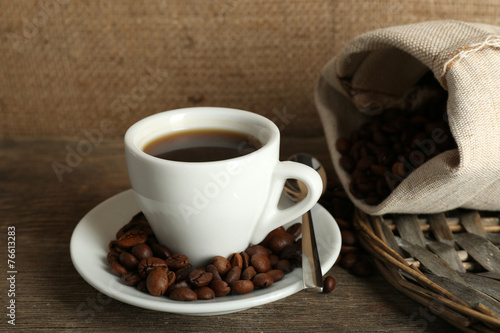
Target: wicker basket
x,y
449,262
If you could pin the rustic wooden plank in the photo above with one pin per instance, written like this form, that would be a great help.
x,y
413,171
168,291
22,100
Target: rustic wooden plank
x,y
409,229
471,221
448,254
469,295
440,229
431,261
481,249
484,284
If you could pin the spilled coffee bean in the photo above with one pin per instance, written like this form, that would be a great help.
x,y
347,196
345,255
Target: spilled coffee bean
x,y
329,284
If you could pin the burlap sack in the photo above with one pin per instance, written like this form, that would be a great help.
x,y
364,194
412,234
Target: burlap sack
x,y
378,69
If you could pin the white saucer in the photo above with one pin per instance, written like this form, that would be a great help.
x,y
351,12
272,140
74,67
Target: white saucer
x,y
89,247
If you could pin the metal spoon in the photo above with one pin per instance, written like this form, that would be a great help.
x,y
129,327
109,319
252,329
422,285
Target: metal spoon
x,y
296,190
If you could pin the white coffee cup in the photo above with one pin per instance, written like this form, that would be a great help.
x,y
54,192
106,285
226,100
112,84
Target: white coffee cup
x,y
204,209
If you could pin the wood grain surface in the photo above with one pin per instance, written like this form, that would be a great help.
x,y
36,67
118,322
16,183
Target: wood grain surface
x,y
51,296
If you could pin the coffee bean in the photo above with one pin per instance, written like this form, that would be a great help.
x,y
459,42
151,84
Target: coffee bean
x,y
141,251
236,260
354,152
147,264
365,162
177,261
373,199
135,223
379,170
158,281
348,260
113,255
389,129
160,251
407,136
113,246
291,252
151,240
343,224
131,238
347,163
199,278
348,237
117,269
385,157
399,169
276,274
120,232
354,191
329,284
149,233
295,230
380,138
344,249
343,145
131,278
382,188
246,259
270,235
260,262
171,278
284,265
183,294
362,268
220,288
273,259
241,287
204,293
364,132
139,219
364,184
128,261
215,273
358,174
233,275
183,273
254,249
279,242
262,280
141,286
222,264
248,273
417,140
177,285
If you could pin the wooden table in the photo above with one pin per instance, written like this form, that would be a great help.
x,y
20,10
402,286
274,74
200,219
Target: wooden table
x,y
51,295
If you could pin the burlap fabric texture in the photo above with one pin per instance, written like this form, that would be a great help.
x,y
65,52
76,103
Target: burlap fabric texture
x,y
376,71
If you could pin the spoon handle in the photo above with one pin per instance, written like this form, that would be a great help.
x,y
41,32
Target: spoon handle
x,y
311,267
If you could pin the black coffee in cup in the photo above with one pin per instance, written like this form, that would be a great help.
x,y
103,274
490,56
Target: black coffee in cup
x,y
202,145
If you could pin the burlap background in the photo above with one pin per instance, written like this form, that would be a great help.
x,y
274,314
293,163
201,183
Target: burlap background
x,y
67,66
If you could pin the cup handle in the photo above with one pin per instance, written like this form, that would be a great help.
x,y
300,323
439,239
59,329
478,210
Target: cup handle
x,y
273,217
